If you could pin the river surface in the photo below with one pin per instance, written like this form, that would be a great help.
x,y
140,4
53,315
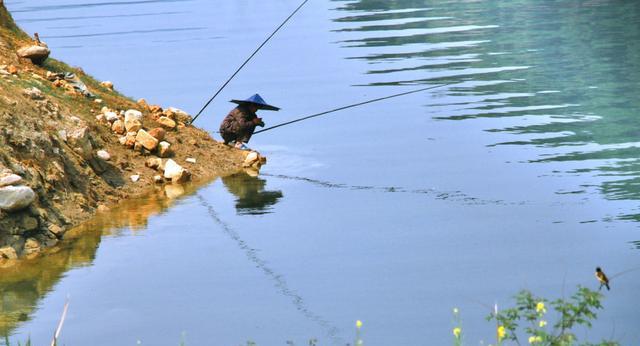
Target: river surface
x,y
522,173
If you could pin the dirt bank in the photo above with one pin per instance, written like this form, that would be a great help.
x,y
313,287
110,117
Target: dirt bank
x,y
71,146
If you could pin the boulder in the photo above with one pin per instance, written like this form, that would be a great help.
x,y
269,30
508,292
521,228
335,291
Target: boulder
x,y
130,139
103,154
37,54
251,158
175,172
132,120
14,198
179,115
135,178
29,223
143,103
80,139
7,179
8,252
146,140
118,127
164,149
56,230
167,122
63,135
158,133
158,179
132,125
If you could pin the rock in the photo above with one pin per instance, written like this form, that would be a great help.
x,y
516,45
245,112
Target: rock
x,y
158,133
164,149
148,141
154,163
180,115
8,252
132,125
135,178
12,69
122,140
175,172
56,230
29,223
31,246
166,122
98,101
155,109
191,160
158,179
111,116
143,103
107,84
133,114
251,158
100,118
130,139
132,120
81,138
37,54
33,93
103,154
7,179
14,198
118,127
63,135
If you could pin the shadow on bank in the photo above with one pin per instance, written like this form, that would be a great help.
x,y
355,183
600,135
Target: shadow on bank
x,y
23,282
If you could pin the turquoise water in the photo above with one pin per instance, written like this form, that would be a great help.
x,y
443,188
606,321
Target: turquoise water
x,y
521,174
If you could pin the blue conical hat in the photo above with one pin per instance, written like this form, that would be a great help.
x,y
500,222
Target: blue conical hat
x,y
258,101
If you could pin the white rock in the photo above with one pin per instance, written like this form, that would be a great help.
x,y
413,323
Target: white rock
x,y
135,178
251,158
7,179
33,93
14,198
111,116
132,114
63,135
98,101
37,54
175,172
191,160
103,154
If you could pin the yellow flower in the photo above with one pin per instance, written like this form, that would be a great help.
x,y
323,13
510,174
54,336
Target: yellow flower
x,y
535,339
501,333
540,308
456,332
358,324
542,323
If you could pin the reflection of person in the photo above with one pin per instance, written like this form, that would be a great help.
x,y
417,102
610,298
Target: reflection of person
x,y
251,197
241,122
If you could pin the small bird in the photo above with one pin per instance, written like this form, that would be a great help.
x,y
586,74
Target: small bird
x,y
602,278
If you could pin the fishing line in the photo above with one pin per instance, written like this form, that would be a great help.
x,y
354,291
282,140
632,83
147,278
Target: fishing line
x,y
354,105
252,254
246,61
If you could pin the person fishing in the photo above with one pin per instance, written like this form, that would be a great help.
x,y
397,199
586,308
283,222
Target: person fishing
x,y
239,125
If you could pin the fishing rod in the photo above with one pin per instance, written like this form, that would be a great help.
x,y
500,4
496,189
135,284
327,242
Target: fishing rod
x,y
246,61
354,105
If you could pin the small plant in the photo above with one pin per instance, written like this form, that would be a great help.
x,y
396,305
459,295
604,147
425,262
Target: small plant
x,y
531,312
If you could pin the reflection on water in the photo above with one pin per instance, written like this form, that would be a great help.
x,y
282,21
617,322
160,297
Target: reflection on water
x,y
565,75
277,278
23,283
252,199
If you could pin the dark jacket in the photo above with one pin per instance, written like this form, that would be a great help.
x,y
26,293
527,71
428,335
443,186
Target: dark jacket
x,y
239,125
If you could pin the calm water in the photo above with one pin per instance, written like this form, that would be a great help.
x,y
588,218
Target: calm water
x,y
524,173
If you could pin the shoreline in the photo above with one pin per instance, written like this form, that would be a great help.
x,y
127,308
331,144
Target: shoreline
x,y
72,147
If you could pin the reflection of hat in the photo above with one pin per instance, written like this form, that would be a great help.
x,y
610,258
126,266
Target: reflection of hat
x,y
258,101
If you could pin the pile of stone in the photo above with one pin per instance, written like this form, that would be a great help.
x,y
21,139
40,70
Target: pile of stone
x,y
129,126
